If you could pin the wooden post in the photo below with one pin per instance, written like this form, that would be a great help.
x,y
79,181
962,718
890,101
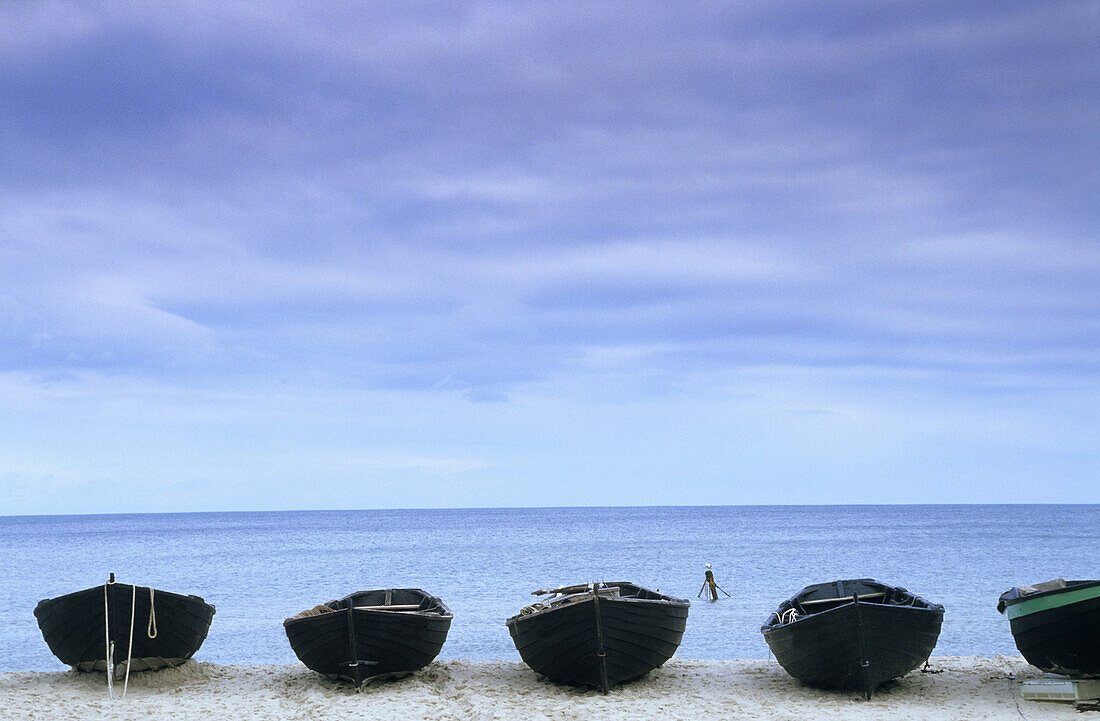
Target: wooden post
x,y
863,662
601,654
353,651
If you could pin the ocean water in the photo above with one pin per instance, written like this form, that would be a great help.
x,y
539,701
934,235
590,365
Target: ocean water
x,y
258,568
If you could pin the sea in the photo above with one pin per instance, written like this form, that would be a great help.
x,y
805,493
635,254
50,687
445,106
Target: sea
x,y
259,568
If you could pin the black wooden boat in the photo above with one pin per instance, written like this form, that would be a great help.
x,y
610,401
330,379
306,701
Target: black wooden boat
x,y
371,634
599,634
166,628
853,634
1056,625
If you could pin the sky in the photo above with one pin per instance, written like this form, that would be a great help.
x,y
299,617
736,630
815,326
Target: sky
x,y
268,255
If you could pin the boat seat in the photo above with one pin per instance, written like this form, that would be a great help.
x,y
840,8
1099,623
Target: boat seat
x,y
607,592
842,599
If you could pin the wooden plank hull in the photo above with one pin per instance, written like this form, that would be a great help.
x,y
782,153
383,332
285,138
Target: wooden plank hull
x,y
563,643
73,627
828,649
377,643
1062,638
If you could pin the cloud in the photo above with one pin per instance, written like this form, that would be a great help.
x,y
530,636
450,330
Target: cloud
x,y
487,201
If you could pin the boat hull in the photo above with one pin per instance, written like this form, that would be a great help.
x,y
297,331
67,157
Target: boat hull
x,y
73,627
1059,633
849,644
563,643
376,644
824,649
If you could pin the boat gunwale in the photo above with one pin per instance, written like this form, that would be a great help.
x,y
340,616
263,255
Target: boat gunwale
x,y
1005,603
441,612
73,595
589,598
769,627
919,604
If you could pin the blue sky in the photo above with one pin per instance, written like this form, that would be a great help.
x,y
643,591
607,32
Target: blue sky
x,y
281,256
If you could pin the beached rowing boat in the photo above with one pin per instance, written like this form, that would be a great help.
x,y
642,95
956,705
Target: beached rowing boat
x,y
599,634
166,628
371,634
853,634
1056,625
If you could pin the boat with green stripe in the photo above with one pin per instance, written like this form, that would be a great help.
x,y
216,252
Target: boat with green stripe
x,y
1056,625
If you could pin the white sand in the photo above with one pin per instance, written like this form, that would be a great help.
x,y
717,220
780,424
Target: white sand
x,y
967,688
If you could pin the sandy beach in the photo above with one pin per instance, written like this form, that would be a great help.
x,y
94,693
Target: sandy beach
x,y
964,688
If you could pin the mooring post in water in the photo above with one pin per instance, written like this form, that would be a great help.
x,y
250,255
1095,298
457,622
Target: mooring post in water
x,y
864,664
710,586
601,655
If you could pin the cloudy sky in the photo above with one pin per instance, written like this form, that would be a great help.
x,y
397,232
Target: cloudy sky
x,y
274,255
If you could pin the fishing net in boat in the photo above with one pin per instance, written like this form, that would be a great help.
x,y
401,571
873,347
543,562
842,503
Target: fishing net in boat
x,y
315,611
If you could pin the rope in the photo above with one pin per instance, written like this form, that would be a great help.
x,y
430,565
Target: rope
x,y
151,631
130,644
1011,692
1015,697
107,637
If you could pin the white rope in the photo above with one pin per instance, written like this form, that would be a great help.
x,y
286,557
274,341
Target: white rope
x,y
130,645
107,636
788,616
151,631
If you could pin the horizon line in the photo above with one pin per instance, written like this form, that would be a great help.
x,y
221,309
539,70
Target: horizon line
x,y
524,508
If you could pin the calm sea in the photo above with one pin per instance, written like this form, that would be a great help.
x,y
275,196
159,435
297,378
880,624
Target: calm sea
x,y
258,568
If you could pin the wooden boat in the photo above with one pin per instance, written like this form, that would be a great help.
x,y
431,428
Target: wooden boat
x,y
166,628
371,634
854,634
1056,625
599,634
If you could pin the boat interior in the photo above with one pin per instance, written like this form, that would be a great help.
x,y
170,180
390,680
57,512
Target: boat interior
x,y
392,600
822,597
395,600
556,597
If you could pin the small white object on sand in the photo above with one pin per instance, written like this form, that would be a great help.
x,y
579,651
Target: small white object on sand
x,y
969,688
